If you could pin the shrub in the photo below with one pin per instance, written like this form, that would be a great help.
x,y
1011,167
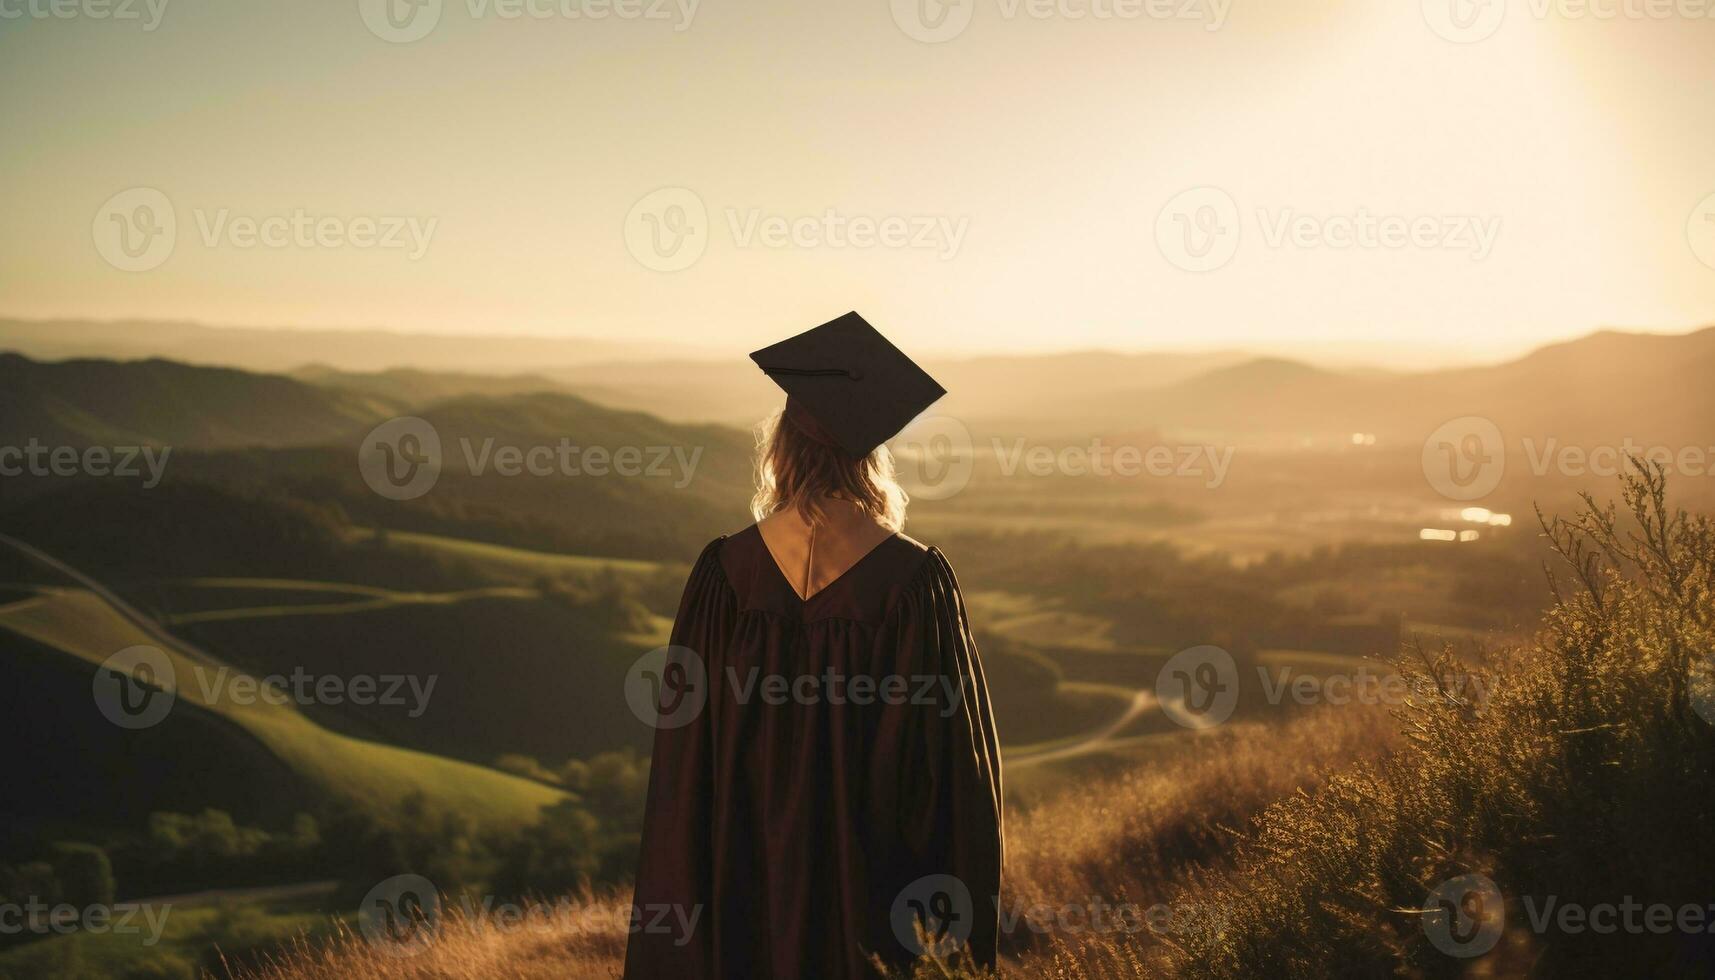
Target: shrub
x,y
1587,776
85,874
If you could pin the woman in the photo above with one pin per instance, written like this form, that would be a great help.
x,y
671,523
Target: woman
x,y
831,799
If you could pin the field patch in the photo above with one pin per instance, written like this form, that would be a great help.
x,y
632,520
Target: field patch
x,y
80,624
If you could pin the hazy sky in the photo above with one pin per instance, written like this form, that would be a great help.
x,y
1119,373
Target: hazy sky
x,y
1469,174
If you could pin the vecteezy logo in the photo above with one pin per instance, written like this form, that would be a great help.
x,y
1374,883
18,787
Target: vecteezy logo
x,y
935,457
667,687
1700,231
1198,230
1198,687
933,21
668,229
399,915
400,459
1465,458
135,230
400,21
1464,21
933,915
1464,916
136,687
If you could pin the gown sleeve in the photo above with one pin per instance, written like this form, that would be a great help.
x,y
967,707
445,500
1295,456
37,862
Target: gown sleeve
x,y
948,788
673,867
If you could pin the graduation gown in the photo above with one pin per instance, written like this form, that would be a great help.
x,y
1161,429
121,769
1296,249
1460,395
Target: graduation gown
x,y
796,834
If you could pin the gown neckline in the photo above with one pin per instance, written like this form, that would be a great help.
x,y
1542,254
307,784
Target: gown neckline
x,y
784,578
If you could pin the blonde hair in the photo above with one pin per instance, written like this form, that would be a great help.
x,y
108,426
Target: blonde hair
x,y
799,467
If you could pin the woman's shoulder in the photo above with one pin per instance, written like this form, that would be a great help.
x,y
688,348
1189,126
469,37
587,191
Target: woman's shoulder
x,y
914,569
738,554
915,546
913,559
732,541
927,561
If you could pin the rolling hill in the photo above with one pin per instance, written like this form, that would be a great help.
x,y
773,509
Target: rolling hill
x,y
208,750
260,432
162,403
1604,387
414,388
277,350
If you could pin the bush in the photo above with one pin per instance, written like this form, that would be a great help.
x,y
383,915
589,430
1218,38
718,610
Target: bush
x,y
85,874
1587,776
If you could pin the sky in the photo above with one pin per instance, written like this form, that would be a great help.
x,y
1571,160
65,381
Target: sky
x,y
1411,180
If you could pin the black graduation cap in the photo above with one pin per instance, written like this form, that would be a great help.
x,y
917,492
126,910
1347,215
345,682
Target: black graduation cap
x,y
861,389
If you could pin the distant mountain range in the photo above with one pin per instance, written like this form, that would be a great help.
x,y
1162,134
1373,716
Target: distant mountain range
x,y
414,388
681,383
1608,386
280,350
1024,387
163,403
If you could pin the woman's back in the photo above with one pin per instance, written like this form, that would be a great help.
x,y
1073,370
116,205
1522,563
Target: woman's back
x,y
843,760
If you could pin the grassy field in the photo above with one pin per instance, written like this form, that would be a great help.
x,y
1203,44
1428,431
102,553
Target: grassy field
x,y
516,671
81,625
358,598
1031,621
579,936
188,926
514,564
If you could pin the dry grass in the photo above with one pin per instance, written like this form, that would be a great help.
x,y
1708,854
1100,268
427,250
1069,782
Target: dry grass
x,y
575,937
1136,831
1137,839
1122,839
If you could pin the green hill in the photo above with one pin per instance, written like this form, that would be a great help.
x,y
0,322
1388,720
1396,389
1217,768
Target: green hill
x,y
604,481
83,626
163,403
